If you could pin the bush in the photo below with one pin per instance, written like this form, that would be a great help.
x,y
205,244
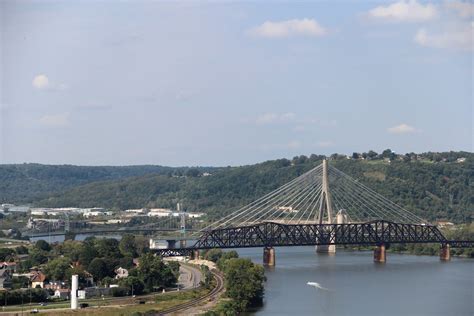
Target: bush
x,y
16,297
119,291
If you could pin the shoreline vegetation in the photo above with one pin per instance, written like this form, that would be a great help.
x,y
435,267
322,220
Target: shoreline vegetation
x,y
243,279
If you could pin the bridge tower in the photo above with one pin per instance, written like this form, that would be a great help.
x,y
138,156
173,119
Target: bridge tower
x,y
325,206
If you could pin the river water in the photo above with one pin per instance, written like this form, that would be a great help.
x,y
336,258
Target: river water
x,y
353,285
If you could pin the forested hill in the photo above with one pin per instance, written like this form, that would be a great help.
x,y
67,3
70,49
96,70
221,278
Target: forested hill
x,y
432,185
26,183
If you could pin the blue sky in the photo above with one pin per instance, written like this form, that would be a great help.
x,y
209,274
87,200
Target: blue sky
x,y
230,83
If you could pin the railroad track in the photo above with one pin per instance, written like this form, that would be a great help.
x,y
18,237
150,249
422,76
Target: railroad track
x,y
197,301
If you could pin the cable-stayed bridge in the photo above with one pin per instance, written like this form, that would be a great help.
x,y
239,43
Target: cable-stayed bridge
x,y
323,207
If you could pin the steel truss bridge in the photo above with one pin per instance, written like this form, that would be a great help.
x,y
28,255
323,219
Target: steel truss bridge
x,y
300,213
271,234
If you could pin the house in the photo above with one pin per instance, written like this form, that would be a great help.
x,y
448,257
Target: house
x,y
121,273
62,293
37,279
93,291
5,279
55,285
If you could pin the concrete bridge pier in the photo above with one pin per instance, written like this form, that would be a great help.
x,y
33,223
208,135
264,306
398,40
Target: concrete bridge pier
x,y
444,252
328,249
195,255
268,256
380,254
182,243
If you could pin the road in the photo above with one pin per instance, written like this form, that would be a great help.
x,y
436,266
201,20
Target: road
x,y
189,277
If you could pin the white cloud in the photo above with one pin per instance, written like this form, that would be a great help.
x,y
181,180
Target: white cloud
x,y
402,129
404,11
462,9
40,82
459,37
269,118
55,120
295,27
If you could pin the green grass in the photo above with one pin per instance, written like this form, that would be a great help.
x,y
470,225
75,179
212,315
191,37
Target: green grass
x,y
115,306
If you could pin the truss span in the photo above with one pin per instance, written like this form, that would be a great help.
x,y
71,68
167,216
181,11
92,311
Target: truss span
x,y
270,234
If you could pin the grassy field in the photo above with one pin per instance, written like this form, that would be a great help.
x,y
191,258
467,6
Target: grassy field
x,y
114,306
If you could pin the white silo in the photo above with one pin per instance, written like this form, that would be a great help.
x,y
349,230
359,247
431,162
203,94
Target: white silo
x,y
74,286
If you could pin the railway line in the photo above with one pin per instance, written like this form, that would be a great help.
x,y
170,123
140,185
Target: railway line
x,y
200,300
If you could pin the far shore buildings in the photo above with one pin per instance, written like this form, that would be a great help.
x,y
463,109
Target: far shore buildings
x,y
161,212
60,211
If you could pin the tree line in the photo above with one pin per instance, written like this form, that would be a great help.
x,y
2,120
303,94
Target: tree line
x,y
432,189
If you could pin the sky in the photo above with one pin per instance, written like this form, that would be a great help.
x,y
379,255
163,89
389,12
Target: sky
x,y
232,83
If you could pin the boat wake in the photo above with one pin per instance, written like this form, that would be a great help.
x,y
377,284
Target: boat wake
x,y
318,286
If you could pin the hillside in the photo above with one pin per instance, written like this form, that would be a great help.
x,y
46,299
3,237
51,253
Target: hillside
x,y
432,185
25,183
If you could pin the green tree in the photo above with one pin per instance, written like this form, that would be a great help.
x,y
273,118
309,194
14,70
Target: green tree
x,y
6,254
37,256
133,283
72,249
193,172
127,245
141,245
154,272
108,248
57,269
372,154
42,245
88,253
21,250
244,282
98,269
226,256
213,255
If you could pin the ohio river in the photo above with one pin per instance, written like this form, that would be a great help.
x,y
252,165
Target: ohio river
x,y
354,285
